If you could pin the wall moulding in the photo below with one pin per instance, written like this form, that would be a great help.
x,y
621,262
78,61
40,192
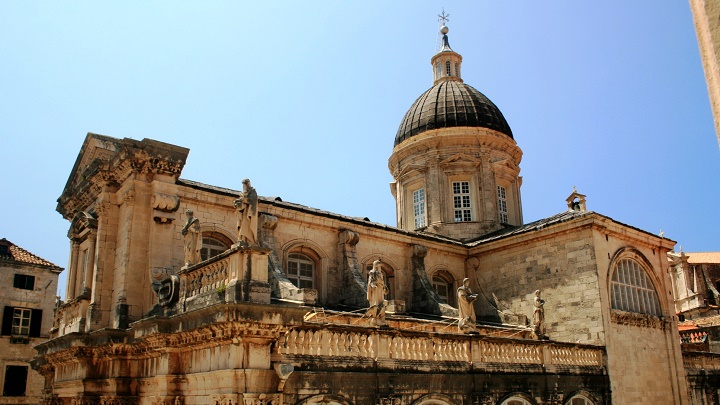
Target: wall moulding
x,y
641,320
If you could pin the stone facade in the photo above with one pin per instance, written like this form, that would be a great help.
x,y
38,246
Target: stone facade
x,y
27,301
286,320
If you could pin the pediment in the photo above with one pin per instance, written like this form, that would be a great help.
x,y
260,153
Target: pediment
x,y
461,158
409,169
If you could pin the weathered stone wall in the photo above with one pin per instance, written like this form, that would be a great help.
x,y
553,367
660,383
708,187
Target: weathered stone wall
x,y
561,263
644,358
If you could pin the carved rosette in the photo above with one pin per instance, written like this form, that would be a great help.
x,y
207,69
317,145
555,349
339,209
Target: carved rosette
x,y
641,320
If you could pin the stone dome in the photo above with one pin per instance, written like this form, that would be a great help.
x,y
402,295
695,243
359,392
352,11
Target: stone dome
x,y
451,103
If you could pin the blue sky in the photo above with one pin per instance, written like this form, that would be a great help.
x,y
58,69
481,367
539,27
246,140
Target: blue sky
x,y
304,98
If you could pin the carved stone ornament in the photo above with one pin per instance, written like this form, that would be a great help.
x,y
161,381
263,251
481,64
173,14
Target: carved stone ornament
x,y
227,399
484,399
165,202
261,399
554,398
390,401
104,401
641,320
169,400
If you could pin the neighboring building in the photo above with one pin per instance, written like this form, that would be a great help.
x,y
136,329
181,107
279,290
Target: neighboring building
x,y
286,320
706,16
29,285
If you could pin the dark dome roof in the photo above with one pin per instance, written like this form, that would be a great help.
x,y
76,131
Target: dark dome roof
x,y
451,103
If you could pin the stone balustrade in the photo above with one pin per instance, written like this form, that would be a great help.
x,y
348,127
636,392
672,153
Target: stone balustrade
x,y
459,348
211,277
701,361
70,317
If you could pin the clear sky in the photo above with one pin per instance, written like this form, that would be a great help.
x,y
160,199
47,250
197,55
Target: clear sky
x,y
304,98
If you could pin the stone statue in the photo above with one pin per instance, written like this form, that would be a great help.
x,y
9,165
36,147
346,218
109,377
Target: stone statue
x,y
376,291
247,205
539,316
193,239
466,309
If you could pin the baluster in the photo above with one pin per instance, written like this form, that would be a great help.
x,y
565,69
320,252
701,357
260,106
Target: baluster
x,y
292,342
362,341
300,342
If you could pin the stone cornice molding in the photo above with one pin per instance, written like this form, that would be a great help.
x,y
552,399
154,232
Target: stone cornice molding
x,y
122,158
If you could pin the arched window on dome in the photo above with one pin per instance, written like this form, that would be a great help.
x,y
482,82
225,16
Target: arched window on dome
x,y
438,73
502,204
632,290
457,69
448,72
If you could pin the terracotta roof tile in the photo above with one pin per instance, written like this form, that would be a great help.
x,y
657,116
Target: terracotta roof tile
x,y
703,257
18,254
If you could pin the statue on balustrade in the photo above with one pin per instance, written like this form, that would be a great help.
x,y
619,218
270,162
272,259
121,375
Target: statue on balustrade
x,y
376,291
466,309
192,239
247,206
539,316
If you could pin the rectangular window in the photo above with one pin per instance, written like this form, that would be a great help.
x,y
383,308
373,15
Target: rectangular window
x,y
21,321
15,381
502,205
419,208
24,281
461,201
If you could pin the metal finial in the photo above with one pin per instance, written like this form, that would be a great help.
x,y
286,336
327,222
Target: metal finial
x,y
443,18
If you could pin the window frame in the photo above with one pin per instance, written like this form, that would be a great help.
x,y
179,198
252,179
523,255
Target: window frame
x,y
502,199
300,258
11,386
449,281
24,282
419,208
632,288
462,201
221,240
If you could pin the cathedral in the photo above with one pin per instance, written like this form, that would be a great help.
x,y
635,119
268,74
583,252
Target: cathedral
x,y
181,292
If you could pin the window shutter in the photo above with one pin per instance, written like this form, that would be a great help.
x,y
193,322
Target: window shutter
x,y
7,320
35,322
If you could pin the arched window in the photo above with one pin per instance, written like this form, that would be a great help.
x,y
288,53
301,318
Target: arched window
x,y
447,69
213,243
439,71
457,69
632,290
301,270
443,284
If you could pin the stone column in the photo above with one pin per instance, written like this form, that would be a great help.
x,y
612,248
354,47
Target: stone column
x,y
70,290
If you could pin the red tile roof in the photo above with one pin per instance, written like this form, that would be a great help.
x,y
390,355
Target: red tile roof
x,y
703,257
18,254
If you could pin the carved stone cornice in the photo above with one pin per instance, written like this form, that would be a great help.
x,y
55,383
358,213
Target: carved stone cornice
x,y
641,320
88,400
109,161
